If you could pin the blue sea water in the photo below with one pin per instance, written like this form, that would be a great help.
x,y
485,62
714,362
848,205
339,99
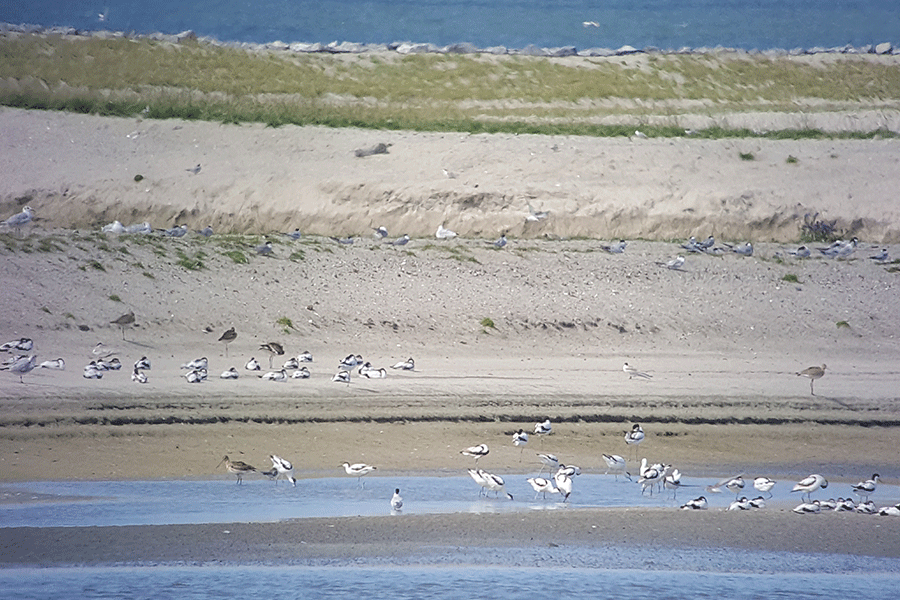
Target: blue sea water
x,y
665,24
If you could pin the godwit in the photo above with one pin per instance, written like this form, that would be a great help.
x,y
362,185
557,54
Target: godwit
x,y
274,349
812,373
237,467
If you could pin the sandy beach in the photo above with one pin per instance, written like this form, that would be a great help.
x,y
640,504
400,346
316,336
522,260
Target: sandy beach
x,y
502,338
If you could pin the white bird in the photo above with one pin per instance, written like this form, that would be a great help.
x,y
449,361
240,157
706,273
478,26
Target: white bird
x,y
381,232
495,483
295,234
305,357
92,372
810,484
229,374
881,256
672,481
801,252
865,508
640,135
114,227
196,376
291,364
113,364
691,245
408,365
542,486
676,263
350,361
845,505
543,428
56,364
252,365
617,465
633,372
103,351
867,487
590,24
197,363
139,228
617,248
22,218
279,375
444,233
807,508
889,511
635,436
650,476
708,243
733,484
301,373
520,439
143,364
138,377
696,504
22,365
19,345
396,500
563,484
549,462
341,377
370,372
758,502
742,504
764,484
358,470
476,452
536,215
477,476
283,467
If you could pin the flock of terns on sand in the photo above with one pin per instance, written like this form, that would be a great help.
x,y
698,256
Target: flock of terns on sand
x,y
655,477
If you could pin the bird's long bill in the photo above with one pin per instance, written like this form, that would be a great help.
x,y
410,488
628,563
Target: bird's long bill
x,y
221,462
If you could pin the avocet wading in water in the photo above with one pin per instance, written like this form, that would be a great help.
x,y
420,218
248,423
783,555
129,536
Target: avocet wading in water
x,y
542,486
358,470
283,467
616,464
764,485
396,500
495,484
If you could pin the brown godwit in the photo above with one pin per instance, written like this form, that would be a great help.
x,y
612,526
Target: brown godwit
x,y
237,467
812,373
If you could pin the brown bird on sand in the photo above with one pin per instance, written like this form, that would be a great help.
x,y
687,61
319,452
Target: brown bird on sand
x,y
274,349
237,467
228,336
812,373
124,321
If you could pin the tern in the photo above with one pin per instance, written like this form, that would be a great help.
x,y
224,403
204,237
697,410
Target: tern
x,y
400,241
617,248
194,170
633,372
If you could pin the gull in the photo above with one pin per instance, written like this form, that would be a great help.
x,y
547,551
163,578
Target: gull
x,y
274,376
676,263
178,231
616,464
742,504
640,135
541,486
519,439
444,234
194,170
358,470
114,227
633,372
351,360
237,467
396,500
590,24
22,365
408,365
341,377
295,234
810,484
291,364
228,336
92,372
229,374
197,363
56,364
807,508
370,372
563,485
476,451
206,231
381,232
501,242
867,487
764,484
22,218
301,373
696,504
801,252
812,373
744,249
21,345
138,377
549,461
252,365
538,215
881,256
283,467
617,248
495,483
305,356
274,349
400,241
264,249
543,428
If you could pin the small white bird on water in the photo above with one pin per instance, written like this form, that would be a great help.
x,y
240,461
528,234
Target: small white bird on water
x,y
495,484
358,470
476,452
633,372
396,500
563,484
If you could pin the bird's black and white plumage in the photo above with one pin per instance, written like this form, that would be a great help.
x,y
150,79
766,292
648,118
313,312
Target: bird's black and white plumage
x,y
476,452
810,484
396,500
407,365
867,487
283,467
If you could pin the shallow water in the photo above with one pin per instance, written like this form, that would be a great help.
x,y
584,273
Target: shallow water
x,y
511,23
107,503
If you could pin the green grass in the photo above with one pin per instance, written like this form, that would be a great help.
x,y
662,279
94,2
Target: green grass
x,y
430,92
237,256
791,160
191,263
790,278
487,323
747,156
842,325
115,298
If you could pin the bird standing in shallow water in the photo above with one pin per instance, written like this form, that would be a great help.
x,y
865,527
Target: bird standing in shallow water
x,y
358,470
810,484
812,373
396,500
238,468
